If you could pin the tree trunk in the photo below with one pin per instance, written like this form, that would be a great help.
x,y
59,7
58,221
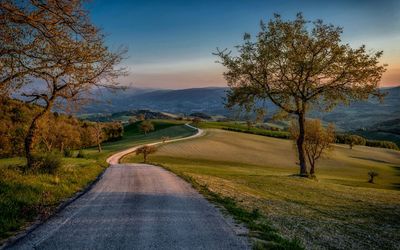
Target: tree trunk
x,y
30,137
312,171
145,157
300,145
99,146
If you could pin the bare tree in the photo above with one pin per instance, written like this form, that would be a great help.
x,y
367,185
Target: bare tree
x,y
317,140
145,151
98,133
300,67
65,55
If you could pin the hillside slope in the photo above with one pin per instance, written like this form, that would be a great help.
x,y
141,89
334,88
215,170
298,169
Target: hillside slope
x,y
258,171
211,101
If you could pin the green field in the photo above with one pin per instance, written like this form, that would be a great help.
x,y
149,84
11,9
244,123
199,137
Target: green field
x,y
339,209
24,196
133,136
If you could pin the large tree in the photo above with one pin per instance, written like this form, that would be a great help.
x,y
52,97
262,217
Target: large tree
x,y
300,65
25,25
63,54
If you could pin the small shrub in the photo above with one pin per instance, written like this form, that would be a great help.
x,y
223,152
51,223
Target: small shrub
x,y
145,151
372,174
81,154
47,162
68,152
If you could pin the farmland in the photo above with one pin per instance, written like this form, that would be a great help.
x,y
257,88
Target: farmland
x,y
339,209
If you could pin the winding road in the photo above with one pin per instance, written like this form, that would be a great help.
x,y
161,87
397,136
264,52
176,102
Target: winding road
x,y
137,206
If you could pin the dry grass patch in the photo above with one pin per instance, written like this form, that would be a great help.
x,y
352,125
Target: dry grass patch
x,y
338,210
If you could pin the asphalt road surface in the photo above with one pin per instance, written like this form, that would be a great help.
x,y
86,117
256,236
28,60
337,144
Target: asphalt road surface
x,y
137,206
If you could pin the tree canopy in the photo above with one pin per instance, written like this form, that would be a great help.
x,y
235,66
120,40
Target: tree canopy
x,y
300,65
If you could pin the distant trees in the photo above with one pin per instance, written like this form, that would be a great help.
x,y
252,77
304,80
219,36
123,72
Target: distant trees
x,y
63,52
146,126
142,117
196,121
145,151
299,66
317,140
352,140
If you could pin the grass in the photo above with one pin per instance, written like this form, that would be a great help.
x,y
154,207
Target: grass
x,y
133,136
338,210
24,196
242,128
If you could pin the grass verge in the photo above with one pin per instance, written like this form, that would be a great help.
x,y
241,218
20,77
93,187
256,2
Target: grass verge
x,y
264,235
24,196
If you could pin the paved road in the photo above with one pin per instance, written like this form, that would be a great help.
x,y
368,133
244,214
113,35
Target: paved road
x,y
137,206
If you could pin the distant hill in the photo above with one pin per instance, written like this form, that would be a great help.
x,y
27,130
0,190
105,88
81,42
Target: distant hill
x,y
185,101
359,115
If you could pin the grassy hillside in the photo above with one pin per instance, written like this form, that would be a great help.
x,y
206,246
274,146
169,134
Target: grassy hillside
x,y
339,210
133,136
23,196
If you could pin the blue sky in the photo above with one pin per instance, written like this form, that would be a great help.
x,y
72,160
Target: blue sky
x,y
171,42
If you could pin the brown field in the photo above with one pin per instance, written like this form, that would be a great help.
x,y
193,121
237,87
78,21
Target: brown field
x,y
339,209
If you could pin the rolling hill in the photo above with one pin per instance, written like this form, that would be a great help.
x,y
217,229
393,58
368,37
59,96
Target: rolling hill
x,y
257,172
365,116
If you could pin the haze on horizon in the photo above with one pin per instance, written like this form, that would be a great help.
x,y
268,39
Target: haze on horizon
x,y
171,42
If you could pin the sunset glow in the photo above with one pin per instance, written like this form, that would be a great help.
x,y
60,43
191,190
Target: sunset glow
x,y
171,42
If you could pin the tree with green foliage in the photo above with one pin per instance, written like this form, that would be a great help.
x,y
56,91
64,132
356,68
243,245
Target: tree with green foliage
x,y
353,140
299,66
146,126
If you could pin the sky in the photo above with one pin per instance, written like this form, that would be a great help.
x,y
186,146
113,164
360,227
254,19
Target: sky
x,y
171,42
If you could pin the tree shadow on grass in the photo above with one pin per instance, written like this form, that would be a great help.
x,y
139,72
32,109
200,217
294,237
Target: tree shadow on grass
x,y
370,159
396,185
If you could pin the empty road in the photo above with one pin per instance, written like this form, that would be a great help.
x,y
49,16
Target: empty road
x,y
137,206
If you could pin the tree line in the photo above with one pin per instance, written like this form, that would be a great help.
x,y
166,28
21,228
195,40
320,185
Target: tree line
x,y
56,132
52,54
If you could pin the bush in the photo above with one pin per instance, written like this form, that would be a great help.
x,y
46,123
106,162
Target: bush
x,y
145,151
358,140
68,152
382,144
47,162
372,174
81,154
